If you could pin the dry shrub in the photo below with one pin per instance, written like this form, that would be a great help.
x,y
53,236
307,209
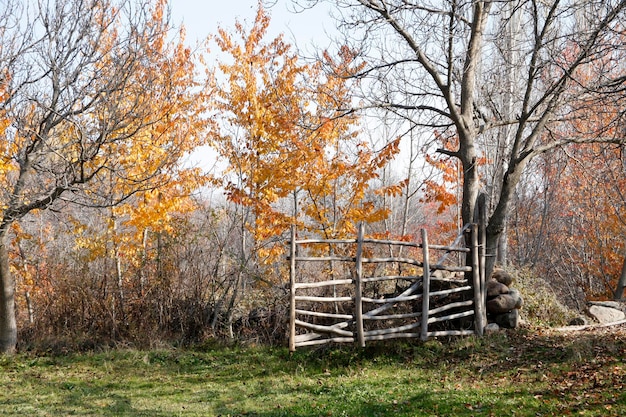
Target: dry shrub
x,y
541,303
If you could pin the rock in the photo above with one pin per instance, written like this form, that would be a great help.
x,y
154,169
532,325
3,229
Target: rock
x,y
491,328
502,304
508,320
578,321
516,294
611,304
495,288
502,276
604,314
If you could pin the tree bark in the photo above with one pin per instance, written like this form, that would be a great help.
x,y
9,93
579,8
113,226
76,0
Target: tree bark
x,y
8,323
619,291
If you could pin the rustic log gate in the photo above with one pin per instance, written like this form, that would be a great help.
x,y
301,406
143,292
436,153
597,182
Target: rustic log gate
x,y
412,315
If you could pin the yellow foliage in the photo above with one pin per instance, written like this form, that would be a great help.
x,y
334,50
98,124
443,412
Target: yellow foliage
x,y
284,135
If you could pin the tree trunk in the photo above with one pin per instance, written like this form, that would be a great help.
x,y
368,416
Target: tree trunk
x,y
490,252
471,188
502,255
8,324
619,291
497,221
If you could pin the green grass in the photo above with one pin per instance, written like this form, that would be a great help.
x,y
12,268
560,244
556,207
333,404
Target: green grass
x,y
516,374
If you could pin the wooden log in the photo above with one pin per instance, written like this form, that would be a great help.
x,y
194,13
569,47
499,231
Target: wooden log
x,y
392,242
392,277
292,290
325,315
450,306
589,326
322,299
452,268
451,333
324,341
458,281
392,259
449,248
391,300
454,245
408,292
392,316
307,336
358,287
320,284
426,287
415,286
479,300
451,317
390,330
482,233
393,336
331,241
325,258
450,291
323,329
312,336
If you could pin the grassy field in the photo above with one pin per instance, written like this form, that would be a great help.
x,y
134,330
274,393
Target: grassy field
x,y
522,373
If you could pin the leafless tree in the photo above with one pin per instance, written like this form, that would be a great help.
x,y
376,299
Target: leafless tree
x,y
71,94
483,70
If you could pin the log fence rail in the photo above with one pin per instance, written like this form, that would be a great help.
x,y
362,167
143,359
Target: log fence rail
x,y
312,322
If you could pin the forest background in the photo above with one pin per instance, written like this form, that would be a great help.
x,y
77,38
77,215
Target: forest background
x,y
110,234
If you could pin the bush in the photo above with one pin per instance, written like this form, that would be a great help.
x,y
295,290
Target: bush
x,y
541,305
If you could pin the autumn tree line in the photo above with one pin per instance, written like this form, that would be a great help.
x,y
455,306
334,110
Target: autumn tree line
x,y
147,186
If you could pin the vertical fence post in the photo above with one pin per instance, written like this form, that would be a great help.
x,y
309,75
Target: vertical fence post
x,y
292,290
358,290
482,235
425,286
479,303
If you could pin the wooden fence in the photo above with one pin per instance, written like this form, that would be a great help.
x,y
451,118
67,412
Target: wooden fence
x,y
328,308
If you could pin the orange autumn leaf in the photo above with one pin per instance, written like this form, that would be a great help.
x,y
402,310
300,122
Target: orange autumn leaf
x,y
285,134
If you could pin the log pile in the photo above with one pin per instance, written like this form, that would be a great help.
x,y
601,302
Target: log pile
x,y
503,301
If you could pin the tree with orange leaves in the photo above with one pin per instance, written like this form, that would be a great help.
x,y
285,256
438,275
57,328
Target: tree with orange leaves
x,y
99,109
286,136
570,217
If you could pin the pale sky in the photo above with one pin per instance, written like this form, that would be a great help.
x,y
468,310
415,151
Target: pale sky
x,y
202,17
